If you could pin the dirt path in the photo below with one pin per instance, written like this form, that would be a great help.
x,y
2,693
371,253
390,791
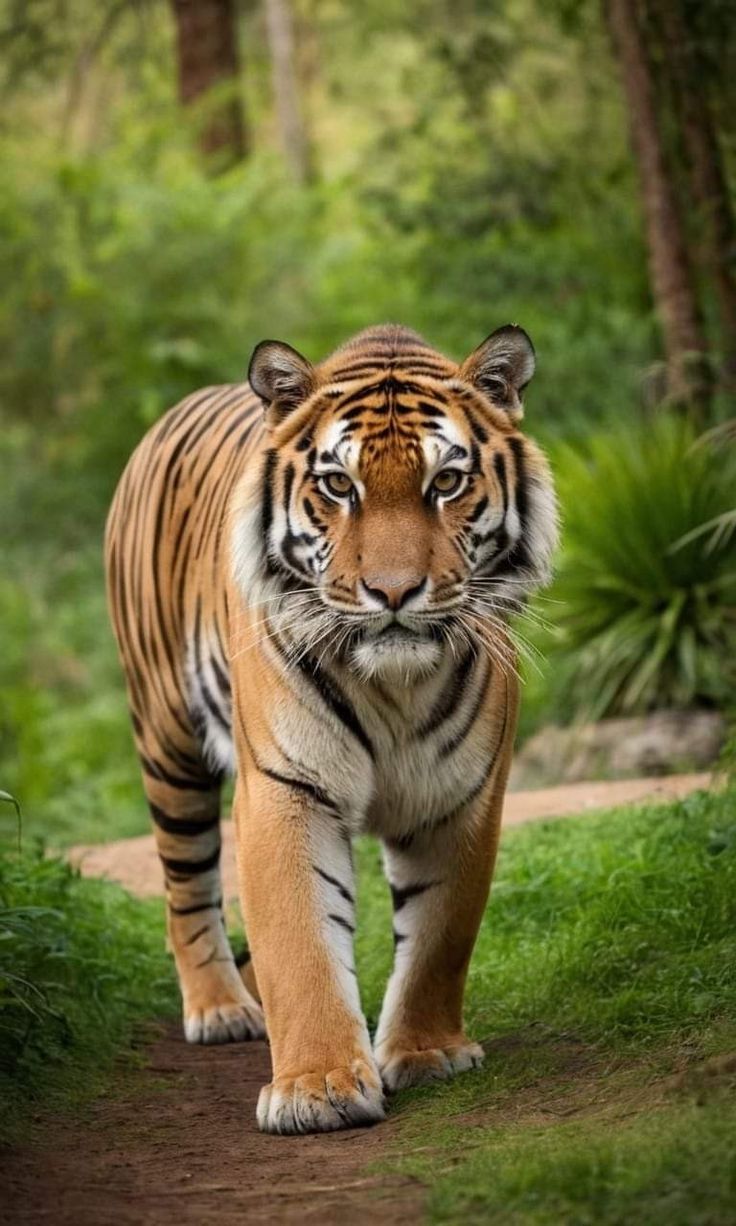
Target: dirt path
x,y
134,862
177,1146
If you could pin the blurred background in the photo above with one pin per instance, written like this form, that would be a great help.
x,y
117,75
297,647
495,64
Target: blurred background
x,y
183,179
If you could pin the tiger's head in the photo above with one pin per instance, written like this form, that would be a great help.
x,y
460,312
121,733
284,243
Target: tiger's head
x,y
398,511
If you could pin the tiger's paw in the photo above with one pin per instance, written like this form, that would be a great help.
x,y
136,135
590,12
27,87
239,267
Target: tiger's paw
x,y
404,1067
346,1097
234,1019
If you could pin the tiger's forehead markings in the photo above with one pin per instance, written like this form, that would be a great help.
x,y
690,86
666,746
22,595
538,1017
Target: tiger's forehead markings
x,y
420,435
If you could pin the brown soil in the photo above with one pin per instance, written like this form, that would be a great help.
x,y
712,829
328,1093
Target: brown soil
x,y
177,1144
134,862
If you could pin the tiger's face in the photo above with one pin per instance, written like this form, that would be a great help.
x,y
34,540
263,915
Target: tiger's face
x,y
401,512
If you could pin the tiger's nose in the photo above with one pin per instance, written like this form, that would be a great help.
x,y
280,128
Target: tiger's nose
x,y
393,591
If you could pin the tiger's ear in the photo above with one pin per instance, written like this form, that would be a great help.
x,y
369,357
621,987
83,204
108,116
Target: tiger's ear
x,y
501,368
281,377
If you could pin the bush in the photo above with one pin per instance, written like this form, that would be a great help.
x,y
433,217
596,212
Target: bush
x,y
647,614
80,963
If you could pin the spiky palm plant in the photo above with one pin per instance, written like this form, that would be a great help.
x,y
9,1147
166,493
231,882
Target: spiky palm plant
x,y
647,612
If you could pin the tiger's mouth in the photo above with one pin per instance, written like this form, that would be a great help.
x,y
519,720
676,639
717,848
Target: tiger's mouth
x,y
401,630
396,651
396,633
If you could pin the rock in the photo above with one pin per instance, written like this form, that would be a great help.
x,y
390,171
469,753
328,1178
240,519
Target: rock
x,y
658,744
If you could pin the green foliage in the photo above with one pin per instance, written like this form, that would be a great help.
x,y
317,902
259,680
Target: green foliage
x,y
80,964
644,611
65,742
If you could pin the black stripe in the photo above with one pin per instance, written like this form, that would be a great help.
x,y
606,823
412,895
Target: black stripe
x,y
231,394
267,494
344,893
450,700
176,417
191,868
517,450
353,416
478,510
238,421
478,430
337,919
335,700
212,706
289,474
499,466
356,370
157,771
196,935
300,785
188,826
456,741
243,958
207,695
476,790
401,387
402,895
200,906
222,678
398,937
361,393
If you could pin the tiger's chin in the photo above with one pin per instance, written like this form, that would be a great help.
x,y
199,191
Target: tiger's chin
x,y
396,657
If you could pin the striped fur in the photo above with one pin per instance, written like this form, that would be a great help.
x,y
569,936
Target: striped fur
x,y
310,580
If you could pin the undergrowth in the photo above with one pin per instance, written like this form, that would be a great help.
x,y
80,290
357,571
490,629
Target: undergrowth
x,y
81,964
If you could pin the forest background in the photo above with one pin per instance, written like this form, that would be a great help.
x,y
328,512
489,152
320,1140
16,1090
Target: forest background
x,y
181,180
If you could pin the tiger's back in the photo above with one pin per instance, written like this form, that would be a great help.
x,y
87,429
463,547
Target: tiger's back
x,y
166,555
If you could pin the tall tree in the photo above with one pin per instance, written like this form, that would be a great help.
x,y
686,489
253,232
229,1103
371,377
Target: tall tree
x,y
716,232
669,264
208,61
280,26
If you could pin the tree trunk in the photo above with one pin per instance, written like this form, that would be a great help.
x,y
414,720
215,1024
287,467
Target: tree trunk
x,y
669,265
280,25
716,230
207,56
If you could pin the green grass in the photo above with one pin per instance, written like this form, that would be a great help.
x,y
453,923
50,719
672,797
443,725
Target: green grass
x,y
672,1163
81,965
606,964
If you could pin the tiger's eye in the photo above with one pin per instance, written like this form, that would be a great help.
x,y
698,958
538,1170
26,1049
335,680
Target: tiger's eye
x,y
447,481
338,484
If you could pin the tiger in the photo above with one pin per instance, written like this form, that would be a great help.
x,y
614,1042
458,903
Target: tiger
x,y
311,578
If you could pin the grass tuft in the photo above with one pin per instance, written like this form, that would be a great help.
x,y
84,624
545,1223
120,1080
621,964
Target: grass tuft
x,y
81,963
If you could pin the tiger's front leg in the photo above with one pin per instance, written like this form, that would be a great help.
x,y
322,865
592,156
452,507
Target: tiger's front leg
x,y
439,884
296,881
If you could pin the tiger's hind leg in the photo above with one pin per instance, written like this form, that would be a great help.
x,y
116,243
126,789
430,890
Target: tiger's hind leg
x,y
185,807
